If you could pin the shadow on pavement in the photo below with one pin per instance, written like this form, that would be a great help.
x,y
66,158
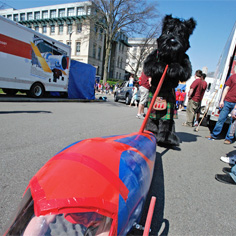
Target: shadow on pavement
x,y
157,190
187,137
17,112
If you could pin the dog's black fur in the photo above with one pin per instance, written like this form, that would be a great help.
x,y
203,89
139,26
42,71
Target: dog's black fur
x,y
171,47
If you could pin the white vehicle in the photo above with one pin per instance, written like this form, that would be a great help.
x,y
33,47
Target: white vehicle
x,y
31,62
225,68
207,94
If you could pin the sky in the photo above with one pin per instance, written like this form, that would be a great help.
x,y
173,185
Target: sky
x,y
215,20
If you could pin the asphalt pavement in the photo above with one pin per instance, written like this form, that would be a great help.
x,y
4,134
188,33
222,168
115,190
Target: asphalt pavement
x,y
189,200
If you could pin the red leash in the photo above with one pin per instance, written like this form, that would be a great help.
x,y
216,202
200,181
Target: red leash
x,y
153,100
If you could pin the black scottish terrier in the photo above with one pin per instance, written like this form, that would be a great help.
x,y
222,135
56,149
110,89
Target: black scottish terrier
x,y
171,47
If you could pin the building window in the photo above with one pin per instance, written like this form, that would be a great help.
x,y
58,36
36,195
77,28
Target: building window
x,y
45,14
100,34
78,46
69,29
52,29
30,16
94,50
37,15
95,29
36,28
15,17
22,16
61,29
118,61
79,27
99,53
121,62
44,29
116,75
70,12
80,11
61,12
53,13
89,11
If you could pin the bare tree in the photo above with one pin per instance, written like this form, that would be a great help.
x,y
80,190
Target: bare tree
x,y
122,15
146,46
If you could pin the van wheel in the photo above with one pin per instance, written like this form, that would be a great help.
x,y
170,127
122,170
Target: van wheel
x,y
202,110
36,90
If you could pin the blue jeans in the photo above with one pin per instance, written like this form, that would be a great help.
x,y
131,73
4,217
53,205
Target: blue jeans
x,y
227,108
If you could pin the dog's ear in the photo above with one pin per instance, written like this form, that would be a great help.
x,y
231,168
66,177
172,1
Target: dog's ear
x,y
191,24
166,20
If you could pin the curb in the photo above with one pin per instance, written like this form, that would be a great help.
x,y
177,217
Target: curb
x,y
23,99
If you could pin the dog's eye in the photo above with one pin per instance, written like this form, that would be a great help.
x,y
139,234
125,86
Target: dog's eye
x,y
167,32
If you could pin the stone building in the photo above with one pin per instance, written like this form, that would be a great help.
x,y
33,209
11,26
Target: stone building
x,y
140,48
69,23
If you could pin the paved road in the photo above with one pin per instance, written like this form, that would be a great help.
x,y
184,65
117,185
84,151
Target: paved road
x,y
189,200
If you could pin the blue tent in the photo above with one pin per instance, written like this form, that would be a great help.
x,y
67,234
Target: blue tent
x,y
81,80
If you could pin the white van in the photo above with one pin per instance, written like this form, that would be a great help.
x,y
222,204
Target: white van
x,y
225,68
31,62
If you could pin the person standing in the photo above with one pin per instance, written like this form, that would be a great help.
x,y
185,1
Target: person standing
x,y
197,88
177,97
199,108
181,99
135,96
131,80
145,84
227,103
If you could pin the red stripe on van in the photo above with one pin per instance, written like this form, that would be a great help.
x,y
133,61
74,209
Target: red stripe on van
x,y
15,47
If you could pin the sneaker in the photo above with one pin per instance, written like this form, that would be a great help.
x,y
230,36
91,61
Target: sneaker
x,y
226,170
227,141
229,160
139,116
225,179
196,123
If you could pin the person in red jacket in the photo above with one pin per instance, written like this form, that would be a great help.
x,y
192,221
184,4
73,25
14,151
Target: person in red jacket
x,y
177,95
181,99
